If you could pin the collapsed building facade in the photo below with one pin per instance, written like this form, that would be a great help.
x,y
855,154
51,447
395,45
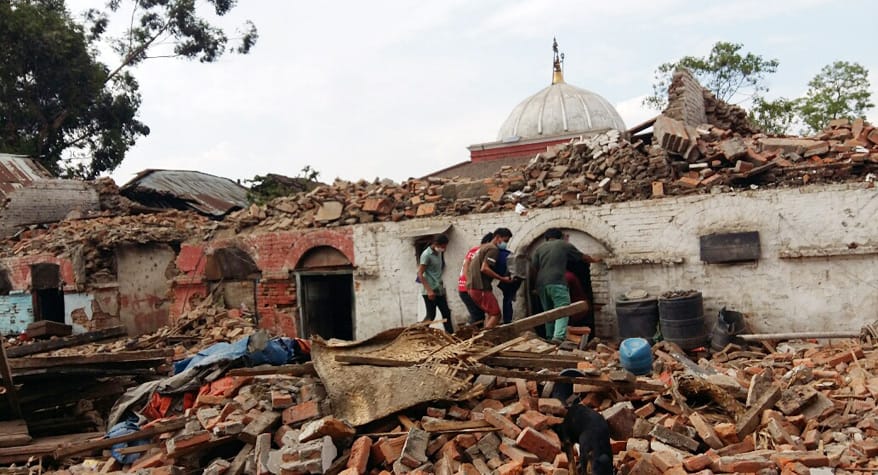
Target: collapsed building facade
x,y
780,228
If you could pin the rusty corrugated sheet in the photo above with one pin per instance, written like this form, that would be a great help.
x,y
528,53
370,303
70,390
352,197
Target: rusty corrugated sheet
x,y
204,193
17,171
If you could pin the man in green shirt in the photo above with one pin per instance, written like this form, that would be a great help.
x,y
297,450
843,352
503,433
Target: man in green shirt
x,y
430,267
549,263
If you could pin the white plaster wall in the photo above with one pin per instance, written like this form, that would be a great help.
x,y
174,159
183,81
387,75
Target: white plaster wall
x,y
837,292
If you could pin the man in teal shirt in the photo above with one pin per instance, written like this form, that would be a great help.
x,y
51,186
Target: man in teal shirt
x,y
430,267
549,263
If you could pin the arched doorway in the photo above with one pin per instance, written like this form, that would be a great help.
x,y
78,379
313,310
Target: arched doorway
x,y
325,289
593,279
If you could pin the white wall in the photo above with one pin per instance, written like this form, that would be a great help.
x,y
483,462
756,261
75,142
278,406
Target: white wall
x,y
654,245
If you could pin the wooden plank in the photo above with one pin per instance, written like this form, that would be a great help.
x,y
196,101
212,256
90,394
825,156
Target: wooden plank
x,y
75,340
8,384
373,361
531,354
512,330
13,433
94,370
531,362
730,247
290,369
498,348
48,328
151,431
82,360
43,446
139,449
591,381
443,425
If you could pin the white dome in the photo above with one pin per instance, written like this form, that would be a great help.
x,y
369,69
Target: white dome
x,y
560,109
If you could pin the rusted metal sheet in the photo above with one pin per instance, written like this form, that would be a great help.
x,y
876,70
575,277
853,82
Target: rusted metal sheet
x,y
182,189
17,171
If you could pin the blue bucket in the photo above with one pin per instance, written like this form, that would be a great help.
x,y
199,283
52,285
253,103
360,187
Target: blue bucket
x,y
636,355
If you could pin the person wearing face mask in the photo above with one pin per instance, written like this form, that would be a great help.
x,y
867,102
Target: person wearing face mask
x,y
430,267
481,273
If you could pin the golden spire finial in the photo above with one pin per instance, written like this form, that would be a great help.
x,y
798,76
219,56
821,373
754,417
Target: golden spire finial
x,y
557,64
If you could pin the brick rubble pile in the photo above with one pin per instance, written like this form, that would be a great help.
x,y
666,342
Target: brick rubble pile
x,y
797,408
682,159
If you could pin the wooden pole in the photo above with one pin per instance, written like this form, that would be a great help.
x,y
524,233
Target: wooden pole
x,y
511,330
6,374
794,336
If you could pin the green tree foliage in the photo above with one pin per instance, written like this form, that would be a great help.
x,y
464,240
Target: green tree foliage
x,y
727,72
775,117
77,116
54,95
839,90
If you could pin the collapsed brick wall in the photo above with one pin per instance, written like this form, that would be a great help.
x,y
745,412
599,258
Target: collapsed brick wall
x,y
694,105
276,254
686,99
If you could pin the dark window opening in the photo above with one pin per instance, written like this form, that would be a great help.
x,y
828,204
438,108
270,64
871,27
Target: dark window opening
x,y
327,305
5,283
48,296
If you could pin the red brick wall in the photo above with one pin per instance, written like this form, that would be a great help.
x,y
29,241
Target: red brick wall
x,y
19,270
276,254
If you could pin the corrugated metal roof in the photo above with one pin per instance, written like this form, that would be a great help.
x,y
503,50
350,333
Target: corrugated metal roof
x,y
202,192
17,171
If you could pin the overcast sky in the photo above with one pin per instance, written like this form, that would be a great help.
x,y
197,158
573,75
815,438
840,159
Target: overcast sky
x,y
398,89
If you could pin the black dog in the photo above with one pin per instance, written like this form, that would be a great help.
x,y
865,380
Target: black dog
x,y
590,429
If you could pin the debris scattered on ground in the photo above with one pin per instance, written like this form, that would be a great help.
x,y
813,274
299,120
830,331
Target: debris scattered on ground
x,y
788,407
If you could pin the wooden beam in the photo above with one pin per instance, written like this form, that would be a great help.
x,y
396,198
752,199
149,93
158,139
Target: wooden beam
x,y
75,340
290,369
592,381
498,348
536,361
443,425
373,361
82,360
41,447
512,330
799,335
8,384
14,433
156,429
641,126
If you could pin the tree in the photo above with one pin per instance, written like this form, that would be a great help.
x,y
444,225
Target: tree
x,y
775,117
726,72
61,105
839,90
54,95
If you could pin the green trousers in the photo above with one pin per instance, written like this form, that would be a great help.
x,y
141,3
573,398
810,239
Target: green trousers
x,y
554,296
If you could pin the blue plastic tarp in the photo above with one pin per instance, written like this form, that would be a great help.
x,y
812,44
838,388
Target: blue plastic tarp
x,y
120,429
277,351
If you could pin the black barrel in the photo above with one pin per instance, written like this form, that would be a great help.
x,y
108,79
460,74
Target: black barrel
x,y
682,320
637,318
